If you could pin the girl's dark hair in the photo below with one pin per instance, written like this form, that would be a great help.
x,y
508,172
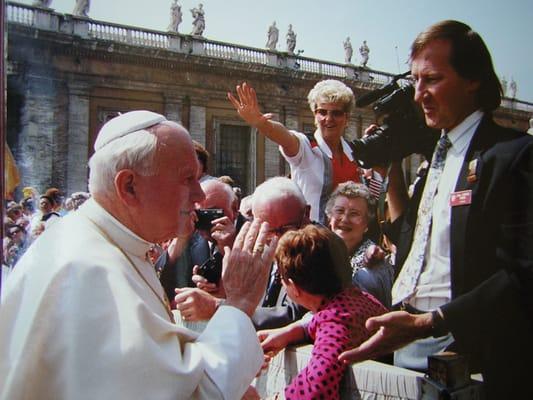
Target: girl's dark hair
x,y
315,259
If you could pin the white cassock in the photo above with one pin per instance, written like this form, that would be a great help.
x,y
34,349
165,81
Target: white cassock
x,y
78,322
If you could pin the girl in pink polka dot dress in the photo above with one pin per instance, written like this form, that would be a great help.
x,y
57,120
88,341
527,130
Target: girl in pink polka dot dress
x,y
313,265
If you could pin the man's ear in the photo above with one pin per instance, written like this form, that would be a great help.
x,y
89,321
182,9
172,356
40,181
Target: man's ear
x,y
125,186
473,85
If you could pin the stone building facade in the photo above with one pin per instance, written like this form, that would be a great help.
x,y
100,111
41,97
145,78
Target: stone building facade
x,y
69,75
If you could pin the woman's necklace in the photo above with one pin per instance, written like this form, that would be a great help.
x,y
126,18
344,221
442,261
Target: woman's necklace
x,y
164,301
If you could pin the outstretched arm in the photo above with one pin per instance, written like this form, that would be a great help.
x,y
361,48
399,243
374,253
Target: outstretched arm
x,y
248,109
393,331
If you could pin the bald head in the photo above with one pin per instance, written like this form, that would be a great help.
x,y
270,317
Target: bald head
x,y
280,202
218,195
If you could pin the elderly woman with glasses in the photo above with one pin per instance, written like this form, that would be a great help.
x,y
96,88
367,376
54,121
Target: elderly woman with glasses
x,y
314,270
351,210
319,162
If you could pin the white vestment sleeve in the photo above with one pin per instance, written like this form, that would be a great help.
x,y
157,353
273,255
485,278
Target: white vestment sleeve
x,y
230,344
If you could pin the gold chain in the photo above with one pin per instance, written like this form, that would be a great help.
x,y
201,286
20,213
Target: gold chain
x,y
164,301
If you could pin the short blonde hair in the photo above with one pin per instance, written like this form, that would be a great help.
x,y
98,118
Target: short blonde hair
x,y
331,91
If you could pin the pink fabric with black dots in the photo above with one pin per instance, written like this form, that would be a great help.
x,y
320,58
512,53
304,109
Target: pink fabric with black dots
x,y
338,325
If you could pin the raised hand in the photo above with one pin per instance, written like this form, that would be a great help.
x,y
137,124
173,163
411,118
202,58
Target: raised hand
x,y
246,266
247,106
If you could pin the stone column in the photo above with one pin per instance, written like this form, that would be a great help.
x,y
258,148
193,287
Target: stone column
x,y
350,72
42,138
273,60
291,122
197,123
173,106
174,42
78,137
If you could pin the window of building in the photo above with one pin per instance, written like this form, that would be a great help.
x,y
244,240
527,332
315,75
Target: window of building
x,y
234,156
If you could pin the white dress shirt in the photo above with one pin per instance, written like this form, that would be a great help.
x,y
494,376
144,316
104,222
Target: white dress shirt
x,y
434,284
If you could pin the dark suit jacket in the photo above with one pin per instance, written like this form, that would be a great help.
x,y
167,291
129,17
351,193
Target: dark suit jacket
x,y
491,312
179,274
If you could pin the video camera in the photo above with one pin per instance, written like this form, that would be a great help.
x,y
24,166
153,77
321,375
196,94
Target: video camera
x,y
403,131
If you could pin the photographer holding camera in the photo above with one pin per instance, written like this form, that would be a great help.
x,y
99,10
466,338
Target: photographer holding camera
x,y
465,239
215,228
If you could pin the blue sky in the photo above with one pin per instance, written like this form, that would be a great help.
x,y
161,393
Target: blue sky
x,y
388,26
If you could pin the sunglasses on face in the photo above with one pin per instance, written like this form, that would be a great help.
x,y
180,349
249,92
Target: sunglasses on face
x,y
323,113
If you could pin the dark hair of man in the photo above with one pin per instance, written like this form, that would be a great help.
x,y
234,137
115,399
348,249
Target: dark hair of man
x,y
202,154
469,57
315,259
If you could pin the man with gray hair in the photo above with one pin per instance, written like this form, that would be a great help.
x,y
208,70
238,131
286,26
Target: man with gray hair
x,y
207,241
279,202
84,316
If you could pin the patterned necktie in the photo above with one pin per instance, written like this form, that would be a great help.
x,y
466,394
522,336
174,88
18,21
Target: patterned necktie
x,y
273,289
405,284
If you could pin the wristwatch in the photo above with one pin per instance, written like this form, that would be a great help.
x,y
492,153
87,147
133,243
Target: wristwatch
x,y
438,324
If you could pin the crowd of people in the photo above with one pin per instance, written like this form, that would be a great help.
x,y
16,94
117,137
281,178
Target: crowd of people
x,y
90,309
26,219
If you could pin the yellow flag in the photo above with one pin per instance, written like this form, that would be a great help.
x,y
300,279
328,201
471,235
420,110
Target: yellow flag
x,y
11,173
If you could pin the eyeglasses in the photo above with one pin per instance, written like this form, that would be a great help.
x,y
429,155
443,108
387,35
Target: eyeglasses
x,y
323,113
339,212
286,228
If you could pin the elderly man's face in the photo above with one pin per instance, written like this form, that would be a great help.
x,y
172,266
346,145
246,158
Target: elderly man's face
x,y
168,197
216,197
282,215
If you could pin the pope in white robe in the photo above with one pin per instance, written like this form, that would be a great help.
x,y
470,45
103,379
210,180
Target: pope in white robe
x,y
83,317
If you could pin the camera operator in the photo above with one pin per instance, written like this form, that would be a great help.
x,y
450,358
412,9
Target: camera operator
x,y
465,239
206,241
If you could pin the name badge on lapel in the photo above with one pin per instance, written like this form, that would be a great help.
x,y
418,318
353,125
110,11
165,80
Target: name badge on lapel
x,y
461,198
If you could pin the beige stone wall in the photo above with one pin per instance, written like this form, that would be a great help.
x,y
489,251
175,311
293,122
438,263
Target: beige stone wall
x,y
70,85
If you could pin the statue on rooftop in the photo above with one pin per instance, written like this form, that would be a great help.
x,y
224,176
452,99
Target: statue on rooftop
x,y
273,35
82,8
348,51
291,40
198,23
513,88
364,50
175,16
42,3
503,82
